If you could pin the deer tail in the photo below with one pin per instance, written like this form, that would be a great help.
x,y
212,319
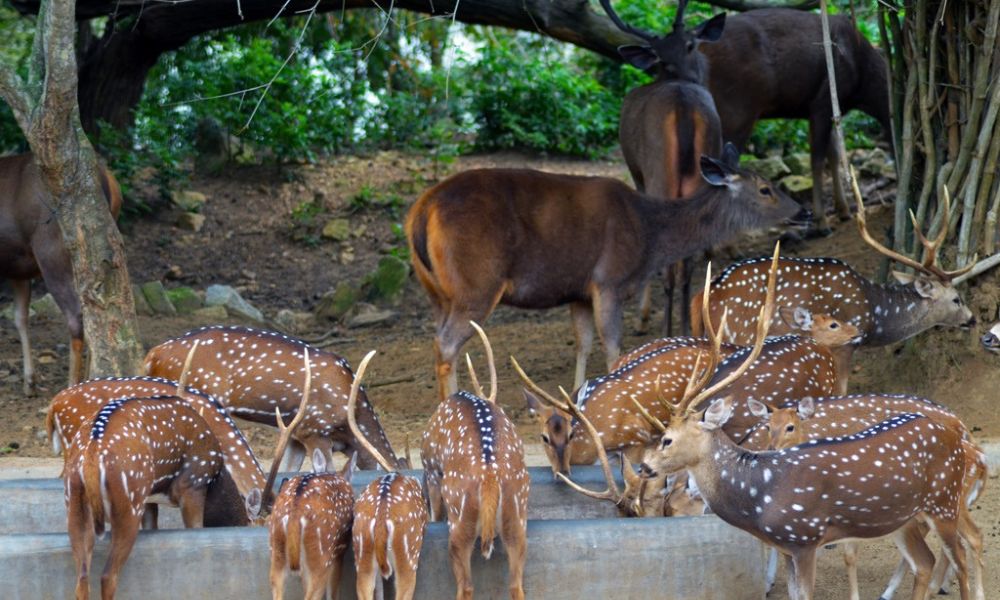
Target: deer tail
x,y
978,482
383,541
53,432
293,540
94,479
489,501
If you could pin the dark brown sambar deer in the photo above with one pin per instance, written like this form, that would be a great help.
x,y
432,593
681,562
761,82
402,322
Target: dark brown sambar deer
x,y
539,240
31,245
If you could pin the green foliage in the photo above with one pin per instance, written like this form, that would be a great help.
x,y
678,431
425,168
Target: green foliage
x,y
368,198
305,223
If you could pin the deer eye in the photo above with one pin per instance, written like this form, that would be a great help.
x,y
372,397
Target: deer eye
x,y
789,428
666,442
765,191
545,439
834,326
957,301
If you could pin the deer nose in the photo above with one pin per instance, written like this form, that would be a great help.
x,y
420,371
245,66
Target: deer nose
x,y
972,323
990,342
646,472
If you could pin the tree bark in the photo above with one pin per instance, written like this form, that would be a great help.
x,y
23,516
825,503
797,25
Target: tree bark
x,y
49,116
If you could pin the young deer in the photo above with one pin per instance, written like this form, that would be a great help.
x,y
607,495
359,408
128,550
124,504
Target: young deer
x,y
475,476
885,314
488,236
665,126
309,525
390,516
32,246
254,372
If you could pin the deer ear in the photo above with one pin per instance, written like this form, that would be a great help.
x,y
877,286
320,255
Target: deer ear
x,y
640,57
319,461
716,173
903,278
924,287
807,407
254,502
757,408
348,471
803,318
717,414
710,30
731,155
534,404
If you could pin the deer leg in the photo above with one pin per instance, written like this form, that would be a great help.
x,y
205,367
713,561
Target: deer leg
x,y
851,563
150,516
366,573
81,534
896,580
192,502
645,306
124,531
279,561
687,272
316,581
450,339
947,530
333,577
973,537
608,314
406,581
294,456
819,143
771,571
58,278
22,302
435,502
669,284
805,572
461,538
583,327
793,590
513,535
839,200
910,541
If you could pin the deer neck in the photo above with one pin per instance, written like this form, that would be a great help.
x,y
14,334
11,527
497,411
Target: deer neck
x,y
842,365
898,313
677,229
732,480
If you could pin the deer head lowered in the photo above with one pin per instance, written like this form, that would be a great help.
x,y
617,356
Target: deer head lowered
x,y
475,476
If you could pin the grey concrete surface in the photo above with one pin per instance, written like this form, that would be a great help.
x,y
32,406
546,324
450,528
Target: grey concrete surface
x,y
699,558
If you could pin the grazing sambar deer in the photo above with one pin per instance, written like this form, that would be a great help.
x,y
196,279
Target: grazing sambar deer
x,y
885,314
475,477
390,516
254,372
539,240
665,126
770,63
31,244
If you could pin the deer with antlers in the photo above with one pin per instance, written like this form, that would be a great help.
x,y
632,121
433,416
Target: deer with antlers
x,y
252,373
475,476
390,516
886,314
135,451
806,496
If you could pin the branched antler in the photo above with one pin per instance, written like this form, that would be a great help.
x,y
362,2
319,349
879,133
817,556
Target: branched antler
x,y
606,5
284,434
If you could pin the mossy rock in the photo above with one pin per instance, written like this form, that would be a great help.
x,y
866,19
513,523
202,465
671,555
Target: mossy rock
x,y
388,281
334,305
157,298
185,300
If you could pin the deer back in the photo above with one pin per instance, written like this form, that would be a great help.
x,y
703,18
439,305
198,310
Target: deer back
x,y
311,520
74,408
253,372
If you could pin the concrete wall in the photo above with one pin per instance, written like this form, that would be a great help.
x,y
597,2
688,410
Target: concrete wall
x,y
37,505
679,558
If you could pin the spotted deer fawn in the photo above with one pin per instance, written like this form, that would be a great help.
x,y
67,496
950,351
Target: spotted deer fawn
x,y
665,126
254,372
885,314
32,246
491,236
137,449
389,519
475,477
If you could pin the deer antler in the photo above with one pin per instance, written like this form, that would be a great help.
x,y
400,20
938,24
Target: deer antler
x,y
612,492
606,5
544,396
284,434
492,398
352,420
931,248
186,370
658,424
679,16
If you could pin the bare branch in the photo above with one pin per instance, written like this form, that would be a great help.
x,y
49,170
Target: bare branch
x,y
13,92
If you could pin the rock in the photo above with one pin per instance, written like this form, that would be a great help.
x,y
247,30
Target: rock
x,y
46,307
7,312
878,164
797,186
46,358
184,299
191,221
345,257
771,168
188,200
799,163
142,307
359,230
388,280
366,315
334,305
157,298
211,314
294,321
224,295
337,229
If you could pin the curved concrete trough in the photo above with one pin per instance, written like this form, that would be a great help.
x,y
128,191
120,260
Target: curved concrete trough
x,y
681,558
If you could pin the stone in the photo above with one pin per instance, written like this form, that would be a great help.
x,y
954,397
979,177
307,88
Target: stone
x,y
797,186
366,315
211,314
337,229
334,305
771,168
294,321
224,295
188,200
157,298
346,256
46,307
877,164
388,281
359,230
799,163
185,300
142,307
191,221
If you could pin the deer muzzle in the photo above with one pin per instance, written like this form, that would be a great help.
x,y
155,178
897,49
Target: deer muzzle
x,y
646,472
991,342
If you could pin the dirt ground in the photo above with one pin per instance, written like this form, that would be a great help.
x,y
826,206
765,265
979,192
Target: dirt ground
x,y
248,242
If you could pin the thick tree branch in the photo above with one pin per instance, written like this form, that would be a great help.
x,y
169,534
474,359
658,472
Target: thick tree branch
x,y
12,92
744,5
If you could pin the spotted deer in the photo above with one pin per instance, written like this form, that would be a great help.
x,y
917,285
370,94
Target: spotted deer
x,y
309,522
254,372
135,451
490,236
475,477
665,126
885,314
32,246
390,516
811,419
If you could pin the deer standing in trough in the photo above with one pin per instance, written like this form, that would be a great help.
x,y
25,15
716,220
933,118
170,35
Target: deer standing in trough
x,y
390,516
807,419
885,314
31,242
665,126
475,476
253,372
490,236
135,451
309,526
770,63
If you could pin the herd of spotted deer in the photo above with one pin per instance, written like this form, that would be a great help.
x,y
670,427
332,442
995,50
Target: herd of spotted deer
x,y
758,430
